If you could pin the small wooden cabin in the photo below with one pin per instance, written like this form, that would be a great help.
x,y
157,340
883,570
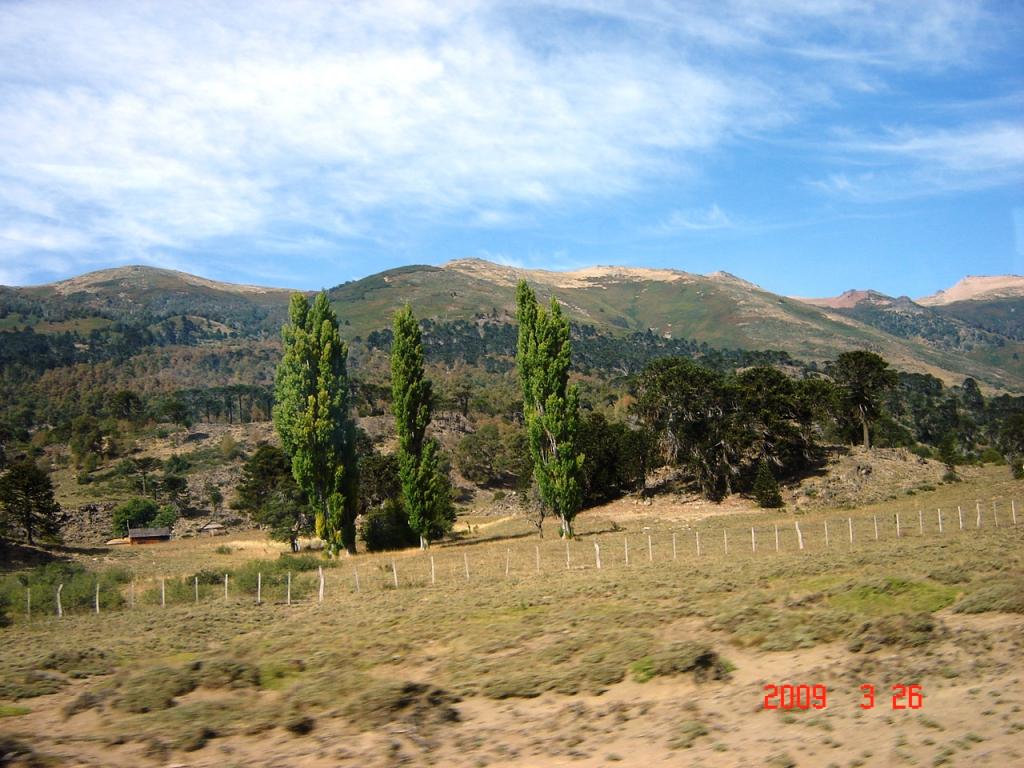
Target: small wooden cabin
x,y
213,528
148,535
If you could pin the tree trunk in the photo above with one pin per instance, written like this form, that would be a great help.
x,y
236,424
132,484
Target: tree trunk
x,y
864,427
424,542
567,532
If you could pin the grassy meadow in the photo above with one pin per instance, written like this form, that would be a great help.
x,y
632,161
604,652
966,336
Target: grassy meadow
x,y
664,656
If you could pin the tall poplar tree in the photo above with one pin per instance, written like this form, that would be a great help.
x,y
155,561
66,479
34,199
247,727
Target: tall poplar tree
x,y
426,492
550,405
311,414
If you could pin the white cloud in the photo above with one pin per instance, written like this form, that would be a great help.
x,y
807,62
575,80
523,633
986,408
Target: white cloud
x,y
709,218
150,127
909,162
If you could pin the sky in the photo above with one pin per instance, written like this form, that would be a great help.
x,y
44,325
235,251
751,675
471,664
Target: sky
x,y
809,146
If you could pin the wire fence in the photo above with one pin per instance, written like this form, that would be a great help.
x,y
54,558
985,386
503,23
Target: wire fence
x,y
512,560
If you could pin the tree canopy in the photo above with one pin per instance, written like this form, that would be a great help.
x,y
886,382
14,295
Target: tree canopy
x,y
550,405
311,414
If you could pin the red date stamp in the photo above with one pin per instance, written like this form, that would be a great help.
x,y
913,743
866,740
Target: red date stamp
x,y
786,697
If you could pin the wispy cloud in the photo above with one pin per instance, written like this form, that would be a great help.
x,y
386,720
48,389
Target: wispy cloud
x,y
698,220
141,130
909,162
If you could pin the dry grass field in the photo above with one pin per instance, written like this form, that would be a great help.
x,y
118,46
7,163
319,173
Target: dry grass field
x,y
538,657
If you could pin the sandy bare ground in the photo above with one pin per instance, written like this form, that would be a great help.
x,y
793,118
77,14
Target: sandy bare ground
x,y
971,713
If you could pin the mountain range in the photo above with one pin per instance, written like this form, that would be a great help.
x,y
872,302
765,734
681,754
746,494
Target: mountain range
x,y
974,328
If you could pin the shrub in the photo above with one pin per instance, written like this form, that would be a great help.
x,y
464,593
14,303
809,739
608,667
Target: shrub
x,y
1001,597
166,517
991,456
766,489
136,513
229,448
387,528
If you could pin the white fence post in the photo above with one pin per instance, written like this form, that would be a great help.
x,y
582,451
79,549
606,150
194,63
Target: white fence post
x,y
826,534
508,561
355,575
960,515
650,549
163,593
1013,510
799,536
920,521
753,541
776,538
566,554
897,525
97,596
849,522
536,551
320,572
433,577
28,602
995,520
725,536
940,520
394,572
673,545
465,561
259,587
195,580
597,555
977,506
225,587
625,543
876,526
698,543
60,610
288,593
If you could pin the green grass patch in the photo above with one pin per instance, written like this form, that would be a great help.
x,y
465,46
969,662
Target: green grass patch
x,y
11,710
891,595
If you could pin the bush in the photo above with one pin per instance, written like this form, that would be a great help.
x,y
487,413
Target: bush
x,y
166,517
766,489
991,456
137,513
79,587
387,528
229,448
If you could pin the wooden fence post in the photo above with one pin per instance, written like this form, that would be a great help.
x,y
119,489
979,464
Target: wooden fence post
x,y
97,596
131,594
320,593
465,561
394,572
776,538
597,555
225,587
995,520
433,576
960,515
940,520
28,603
1013,510
259,587
698,543
508,561
826,534
920,521
566,554
288,592
897,525
60,610
753,541
536,551
163,593
625,543
799,536
195,579
673,545
355,575
650,549
725,535
849,522
876,526
977,506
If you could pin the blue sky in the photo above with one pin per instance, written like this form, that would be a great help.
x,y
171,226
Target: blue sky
x,y
809,146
